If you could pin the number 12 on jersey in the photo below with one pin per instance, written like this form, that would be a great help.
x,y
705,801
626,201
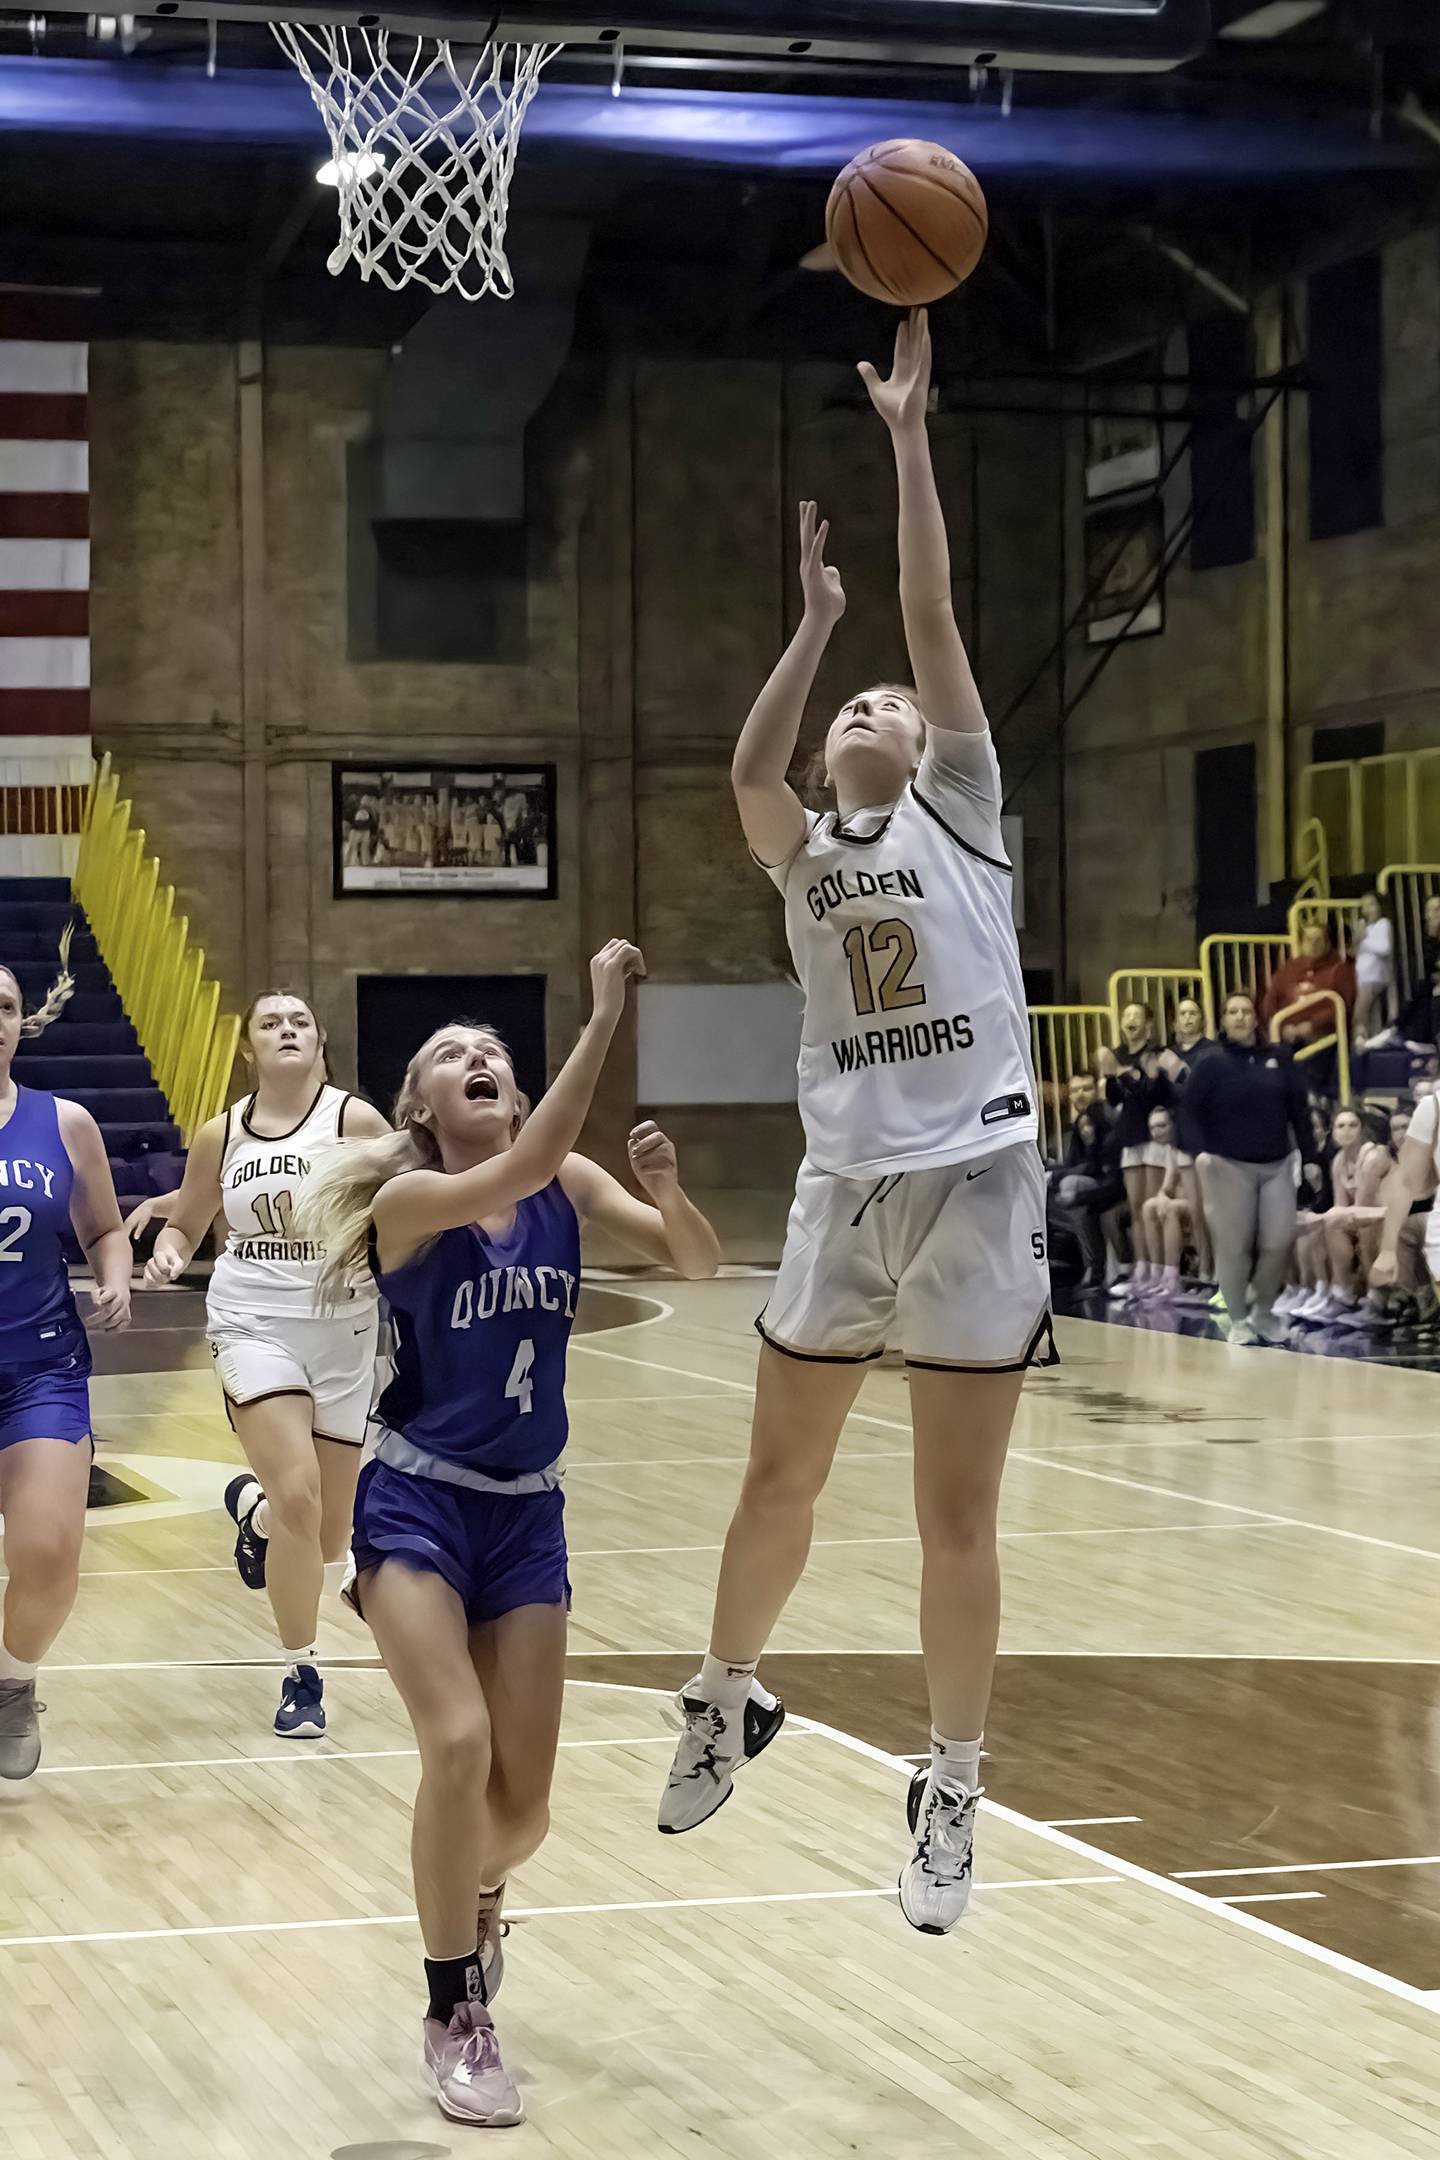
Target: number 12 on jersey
x,y
865,949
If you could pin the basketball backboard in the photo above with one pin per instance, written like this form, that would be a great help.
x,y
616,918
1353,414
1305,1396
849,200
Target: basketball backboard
x,y
1086,34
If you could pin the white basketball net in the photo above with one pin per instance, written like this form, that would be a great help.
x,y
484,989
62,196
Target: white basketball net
x,y
423,149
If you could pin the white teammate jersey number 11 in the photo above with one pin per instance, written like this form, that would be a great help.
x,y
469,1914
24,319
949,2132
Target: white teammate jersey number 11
x,y
520,1386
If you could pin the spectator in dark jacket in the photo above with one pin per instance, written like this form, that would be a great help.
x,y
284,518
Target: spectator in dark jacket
x,y
1134,1086
1188,1045
1251,1114
1087,1194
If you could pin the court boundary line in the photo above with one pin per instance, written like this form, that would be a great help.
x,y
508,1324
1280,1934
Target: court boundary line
x,y
534,1912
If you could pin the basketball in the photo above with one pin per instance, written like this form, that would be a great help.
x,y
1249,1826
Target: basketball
x,y
906,221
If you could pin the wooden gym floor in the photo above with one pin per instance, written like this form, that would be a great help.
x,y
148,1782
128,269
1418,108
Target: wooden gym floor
x,y
1208,1918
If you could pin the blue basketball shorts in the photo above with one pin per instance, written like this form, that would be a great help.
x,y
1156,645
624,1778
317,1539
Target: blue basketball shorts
x,y
497,1551
46,1402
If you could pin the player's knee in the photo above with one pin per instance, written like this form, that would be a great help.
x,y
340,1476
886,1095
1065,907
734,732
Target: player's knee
x,y
519,1826
956,1533
44,1556
780,1484
456,1751
295,1504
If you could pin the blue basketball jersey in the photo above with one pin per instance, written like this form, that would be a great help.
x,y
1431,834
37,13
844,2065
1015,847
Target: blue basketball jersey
x,y
483,1325
37,1312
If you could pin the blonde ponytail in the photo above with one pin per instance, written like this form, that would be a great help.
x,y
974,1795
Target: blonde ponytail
x,y
338,1201
60,992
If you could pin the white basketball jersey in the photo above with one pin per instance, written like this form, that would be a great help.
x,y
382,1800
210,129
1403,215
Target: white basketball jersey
x,y
264,1269
915,1051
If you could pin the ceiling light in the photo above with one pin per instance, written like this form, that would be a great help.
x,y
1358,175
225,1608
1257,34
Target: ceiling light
x,y
1273,19
364,167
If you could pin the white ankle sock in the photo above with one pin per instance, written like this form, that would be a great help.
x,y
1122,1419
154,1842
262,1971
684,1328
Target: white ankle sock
x,y
301,1657
959,1759
334,1576
724,1683
260,1519
15,1668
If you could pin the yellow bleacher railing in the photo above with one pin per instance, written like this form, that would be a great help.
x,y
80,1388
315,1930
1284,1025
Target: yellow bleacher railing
x,y
1375,810
1339,1042
1405,887
56,808
1236,963
1341,919
157,969
1162,989
1064,1039
1312,860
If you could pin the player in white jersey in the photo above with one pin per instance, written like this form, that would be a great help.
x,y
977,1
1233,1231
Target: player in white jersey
x,y
919,1214
297,1381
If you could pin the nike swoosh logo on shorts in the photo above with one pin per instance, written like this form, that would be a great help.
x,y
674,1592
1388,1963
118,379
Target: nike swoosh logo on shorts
x,y
978,1173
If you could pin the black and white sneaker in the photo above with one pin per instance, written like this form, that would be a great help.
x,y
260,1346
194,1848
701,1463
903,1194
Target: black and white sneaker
x,y
712,1748
935,1883
242,1496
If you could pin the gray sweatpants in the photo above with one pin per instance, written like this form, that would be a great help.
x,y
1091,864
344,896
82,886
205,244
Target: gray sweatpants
x,y
1250,1208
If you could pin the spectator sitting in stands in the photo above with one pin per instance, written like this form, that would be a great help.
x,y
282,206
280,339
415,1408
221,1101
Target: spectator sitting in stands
x,y
1188,1044
1169,1221
1134,1086
1087,1195
1409,1251
1353,1228
1374,968
1310,1265
1418,1026
1317,966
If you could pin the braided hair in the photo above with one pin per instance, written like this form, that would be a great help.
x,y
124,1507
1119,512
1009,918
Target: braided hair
x,y
59,994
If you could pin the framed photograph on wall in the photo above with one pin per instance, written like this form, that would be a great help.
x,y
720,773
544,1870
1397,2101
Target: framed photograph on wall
x,y
1124,562
1120,453
412,830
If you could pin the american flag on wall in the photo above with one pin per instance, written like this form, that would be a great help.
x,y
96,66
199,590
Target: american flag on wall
x,y
44,577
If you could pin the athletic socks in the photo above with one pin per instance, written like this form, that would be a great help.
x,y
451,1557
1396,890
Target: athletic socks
x,y
260,1517
724,1683
958,1759
301,1657
14,1668
453,1981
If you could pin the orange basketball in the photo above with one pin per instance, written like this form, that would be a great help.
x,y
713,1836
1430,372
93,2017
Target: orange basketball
x,y
906,222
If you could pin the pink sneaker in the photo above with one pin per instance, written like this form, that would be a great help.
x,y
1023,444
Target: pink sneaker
x,y
472,2082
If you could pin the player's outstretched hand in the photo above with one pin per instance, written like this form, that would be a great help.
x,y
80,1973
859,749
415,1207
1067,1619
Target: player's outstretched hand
x,y
653,1160
819,581
138,1221
162,1268
903,400
112,1309
610,970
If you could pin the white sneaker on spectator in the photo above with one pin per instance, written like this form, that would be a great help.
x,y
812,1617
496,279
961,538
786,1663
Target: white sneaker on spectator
x,y
1288,1299
1243,1336
1120,1288
1385,1040
1363,1318
1336,1307
1272,1327
1314,1302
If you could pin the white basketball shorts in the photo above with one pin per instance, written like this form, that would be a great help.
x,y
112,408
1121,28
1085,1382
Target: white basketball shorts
x,y
331,1360
948,1266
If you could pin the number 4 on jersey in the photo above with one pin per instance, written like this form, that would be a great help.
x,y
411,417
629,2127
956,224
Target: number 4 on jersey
x,y
520,1385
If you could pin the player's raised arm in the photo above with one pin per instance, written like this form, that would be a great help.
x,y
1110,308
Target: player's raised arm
x,y
770,810
941,665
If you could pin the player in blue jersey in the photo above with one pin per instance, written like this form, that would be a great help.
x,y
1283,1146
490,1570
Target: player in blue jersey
x,y
53,1175
459,1546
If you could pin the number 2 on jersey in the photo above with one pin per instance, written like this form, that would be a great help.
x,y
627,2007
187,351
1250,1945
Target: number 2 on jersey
x,y
520,1385
22,1218
864,949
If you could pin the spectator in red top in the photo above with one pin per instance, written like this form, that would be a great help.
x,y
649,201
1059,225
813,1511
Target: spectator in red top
x,y
1317,966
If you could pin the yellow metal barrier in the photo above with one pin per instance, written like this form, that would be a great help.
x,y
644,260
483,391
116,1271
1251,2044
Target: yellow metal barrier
x,y
1244,963
1162,989
1312,860
1339,1041
58,807
1405,887
1375,810
1341,919
1064,1039
158,971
